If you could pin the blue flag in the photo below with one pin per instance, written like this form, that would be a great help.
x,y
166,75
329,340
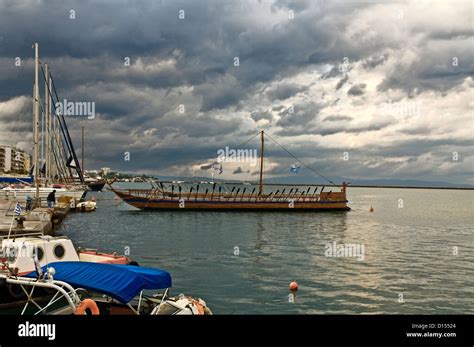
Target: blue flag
x,y
295,168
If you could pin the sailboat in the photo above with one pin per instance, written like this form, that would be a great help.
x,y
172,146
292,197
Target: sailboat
x,y
56,173
171,196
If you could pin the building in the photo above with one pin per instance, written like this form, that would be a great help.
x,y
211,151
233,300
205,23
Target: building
x,y
14,161
105,170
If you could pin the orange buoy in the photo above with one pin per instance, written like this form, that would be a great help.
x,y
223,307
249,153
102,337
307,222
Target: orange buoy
x,y
293,286
87,304
371,209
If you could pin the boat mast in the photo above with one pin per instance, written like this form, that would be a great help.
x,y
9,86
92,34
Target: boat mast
x,y
260,186
47,110
35,122
82,152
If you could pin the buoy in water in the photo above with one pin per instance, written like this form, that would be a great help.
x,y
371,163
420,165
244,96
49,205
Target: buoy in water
x,y
371,209
293,286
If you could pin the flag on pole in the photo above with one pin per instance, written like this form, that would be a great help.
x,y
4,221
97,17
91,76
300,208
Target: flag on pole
x,y
17,209
295,168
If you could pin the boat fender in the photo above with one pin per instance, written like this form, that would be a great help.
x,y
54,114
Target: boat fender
x,y
199,306
87,304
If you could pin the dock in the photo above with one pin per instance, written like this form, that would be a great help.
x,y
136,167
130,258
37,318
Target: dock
x,y
38,220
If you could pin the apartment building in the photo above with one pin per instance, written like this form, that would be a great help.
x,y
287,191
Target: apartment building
x,y
13,160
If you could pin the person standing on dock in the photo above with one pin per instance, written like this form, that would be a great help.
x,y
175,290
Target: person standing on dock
x,y
51,199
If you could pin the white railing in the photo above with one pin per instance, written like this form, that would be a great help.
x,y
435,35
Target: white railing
x,y
62,290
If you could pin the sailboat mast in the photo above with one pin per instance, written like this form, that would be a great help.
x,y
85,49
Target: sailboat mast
x,y
260,186
36,122
47,109
82,150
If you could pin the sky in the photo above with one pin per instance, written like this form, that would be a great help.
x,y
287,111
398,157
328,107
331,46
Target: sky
x,y
361,89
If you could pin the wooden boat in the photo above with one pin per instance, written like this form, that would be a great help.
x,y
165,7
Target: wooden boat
x,y
95,185
171,196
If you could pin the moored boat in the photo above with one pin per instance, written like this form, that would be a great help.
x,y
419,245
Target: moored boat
x,y
20,252
216,197
95,185
21,255
56,166
107,289
86,206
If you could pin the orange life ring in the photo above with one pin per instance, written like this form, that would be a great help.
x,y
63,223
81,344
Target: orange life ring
x,y
87,304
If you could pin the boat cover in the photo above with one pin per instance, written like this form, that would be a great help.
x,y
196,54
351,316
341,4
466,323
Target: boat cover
x,y
16,179
121,282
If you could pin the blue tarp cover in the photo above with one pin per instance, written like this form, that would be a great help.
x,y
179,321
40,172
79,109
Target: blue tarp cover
x,y
16,179
122,282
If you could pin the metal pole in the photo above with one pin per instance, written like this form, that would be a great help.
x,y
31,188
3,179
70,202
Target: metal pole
x,y
260,186
43,115
47,108
35,122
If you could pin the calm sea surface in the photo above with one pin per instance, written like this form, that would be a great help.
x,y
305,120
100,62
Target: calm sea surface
x,y
422,253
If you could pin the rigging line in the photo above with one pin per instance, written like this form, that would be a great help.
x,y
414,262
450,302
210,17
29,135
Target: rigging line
x,y
68,140
250,139
52,149
52,85
54,143
307,166
60,169
241,144
66,136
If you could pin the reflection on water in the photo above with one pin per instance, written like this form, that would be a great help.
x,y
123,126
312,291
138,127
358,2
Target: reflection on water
x,y
408,251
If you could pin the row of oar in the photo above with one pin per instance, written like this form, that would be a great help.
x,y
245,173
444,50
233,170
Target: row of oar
x,y
293,194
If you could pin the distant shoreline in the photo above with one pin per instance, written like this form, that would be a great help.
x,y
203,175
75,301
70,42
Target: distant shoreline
x,y
411,187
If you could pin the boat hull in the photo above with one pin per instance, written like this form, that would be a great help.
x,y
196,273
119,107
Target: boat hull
x,y
226,205
237,206
96,186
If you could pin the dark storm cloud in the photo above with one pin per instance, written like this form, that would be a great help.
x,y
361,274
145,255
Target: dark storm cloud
x,y
190,62
342,81
337,118
259,115
357,89
203,49
222,92
374,61
440,66
420,146
285,91
333,72
300,116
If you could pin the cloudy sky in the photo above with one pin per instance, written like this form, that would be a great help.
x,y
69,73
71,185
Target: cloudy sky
x,y
362,89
